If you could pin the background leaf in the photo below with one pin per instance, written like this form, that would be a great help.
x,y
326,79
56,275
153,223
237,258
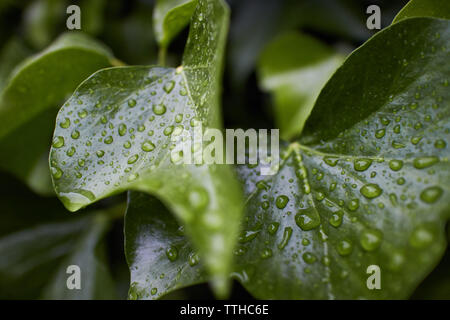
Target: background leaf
x,y
28,104
424,8
123,123
158,253
37,249
170,17
294,68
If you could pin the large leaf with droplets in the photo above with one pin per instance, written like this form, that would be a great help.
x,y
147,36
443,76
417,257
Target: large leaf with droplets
x,y
28,103
118,130
370,189
294,68
170,17
160,257
424,8
39,240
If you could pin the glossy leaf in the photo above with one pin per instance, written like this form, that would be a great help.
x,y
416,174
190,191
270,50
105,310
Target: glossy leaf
x,y
371,189
122,125
158,253
424,8
28,102
170,17
294,68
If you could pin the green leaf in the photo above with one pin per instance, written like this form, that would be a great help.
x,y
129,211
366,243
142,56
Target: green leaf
x,y
370,189
294,68
28,102
437,285
424,8
39,240
170,17
159,255
123,123
11,55
42,19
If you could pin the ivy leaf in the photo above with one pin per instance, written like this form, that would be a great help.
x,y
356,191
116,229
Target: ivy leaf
x,y
119,128
424,8
370,189
170,17
159,255
295,67
12,54
37,249
28,102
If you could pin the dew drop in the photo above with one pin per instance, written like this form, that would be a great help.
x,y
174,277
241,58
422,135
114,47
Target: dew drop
x,y
133,159
371,191
172,253
168,87
425,162
58,142
362,164
309,258
336,218
159,109
440,144
75,134
109,140
65,124
421,238
307,219
371,239
396,165
344,247
122,129
131,103
431,194
281,201
148,146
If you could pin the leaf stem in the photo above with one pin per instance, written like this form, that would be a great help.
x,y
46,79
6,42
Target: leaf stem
x,y
162,54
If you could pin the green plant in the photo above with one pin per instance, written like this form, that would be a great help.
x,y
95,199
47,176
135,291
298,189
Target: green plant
x,y
363,177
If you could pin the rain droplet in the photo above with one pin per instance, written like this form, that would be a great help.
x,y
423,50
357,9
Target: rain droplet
x,y
431,194
133,159
307,219
65,124
168,87
109,140
286,237
122,129
344,247
148,146
281,201
172,253
371,191
421,238
131,103
159,109
362,164
440,144
396,165
425,162
58,142
336,218
371,239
